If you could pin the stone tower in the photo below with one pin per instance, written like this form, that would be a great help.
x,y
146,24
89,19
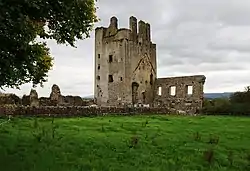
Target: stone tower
x,y
125,64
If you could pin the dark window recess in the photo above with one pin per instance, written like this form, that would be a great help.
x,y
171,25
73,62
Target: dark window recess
x,y
99,56
110,58
121,78
146,82
151,79
111,78
99,66
98,77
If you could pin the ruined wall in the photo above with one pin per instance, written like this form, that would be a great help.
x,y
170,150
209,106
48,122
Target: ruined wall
x,y
9,99
55,99
75,111
182,93
124,57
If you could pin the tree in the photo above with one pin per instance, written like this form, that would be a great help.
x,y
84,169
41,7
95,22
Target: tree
x,y
241,97
23,58
216,106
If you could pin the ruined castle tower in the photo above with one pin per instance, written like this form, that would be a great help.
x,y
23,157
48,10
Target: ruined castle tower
x,y
125,64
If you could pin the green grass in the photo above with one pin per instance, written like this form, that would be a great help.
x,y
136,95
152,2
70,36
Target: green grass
x,y
165,143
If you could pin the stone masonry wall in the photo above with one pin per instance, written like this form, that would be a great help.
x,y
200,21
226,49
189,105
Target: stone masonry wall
x,y
123,57
55,99
77,111
165,96
9,99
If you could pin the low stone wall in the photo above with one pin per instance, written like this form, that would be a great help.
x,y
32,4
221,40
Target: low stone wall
x,y
76,111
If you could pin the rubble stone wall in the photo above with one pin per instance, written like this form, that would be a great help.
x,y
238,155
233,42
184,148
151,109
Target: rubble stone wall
x,y
77,111
55,99
181,93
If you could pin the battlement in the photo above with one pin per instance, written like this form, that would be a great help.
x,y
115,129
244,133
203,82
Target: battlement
x,y
137,30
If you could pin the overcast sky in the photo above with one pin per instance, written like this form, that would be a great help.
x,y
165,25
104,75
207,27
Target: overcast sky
x,y
210,37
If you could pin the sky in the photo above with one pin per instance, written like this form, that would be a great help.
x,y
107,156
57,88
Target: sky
x,y
192,37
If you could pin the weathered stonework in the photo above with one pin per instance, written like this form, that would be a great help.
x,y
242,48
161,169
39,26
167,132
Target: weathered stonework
x,y
26,100
125,64
182,93
9,99
55,95
77,111
126,71
73,100
34,102
55,99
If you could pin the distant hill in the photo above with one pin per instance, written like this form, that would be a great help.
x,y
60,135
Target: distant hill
x,y
217,95
206,95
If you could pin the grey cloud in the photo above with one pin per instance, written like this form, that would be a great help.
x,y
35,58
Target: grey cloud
x,y
202,68
226,81
229,12
202,39
191,56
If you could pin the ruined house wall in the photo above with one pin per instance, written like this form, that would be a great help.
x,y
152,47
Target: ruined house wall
x,y
124,57
180,100
9,99
55,99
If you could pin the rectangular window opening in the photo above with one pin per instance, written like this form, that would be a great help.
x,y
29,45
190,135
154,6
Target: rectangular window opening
x,y
189,90
151,79
159,91
98,77
121,78
99,56
98,66
111,78
173,90
110,58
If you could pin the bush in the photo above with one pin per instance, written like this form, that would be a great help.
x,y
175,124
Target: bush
x,y
237,104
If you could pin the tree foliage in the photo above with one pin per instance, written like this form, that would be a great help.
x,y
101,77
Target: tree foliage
x,y
237,104
23,58
241,97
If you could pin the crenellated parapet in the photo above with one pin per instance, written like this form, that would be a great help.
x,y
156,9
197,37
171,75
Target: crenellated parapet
x,y
137,31
133,27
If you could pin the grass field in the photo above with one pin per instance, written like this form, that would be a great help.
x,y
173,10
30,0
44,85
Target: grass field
x,y
138,143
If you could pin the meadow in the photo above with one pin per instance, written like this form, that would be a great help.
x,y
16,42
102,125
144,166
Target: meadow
x,y
125,143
